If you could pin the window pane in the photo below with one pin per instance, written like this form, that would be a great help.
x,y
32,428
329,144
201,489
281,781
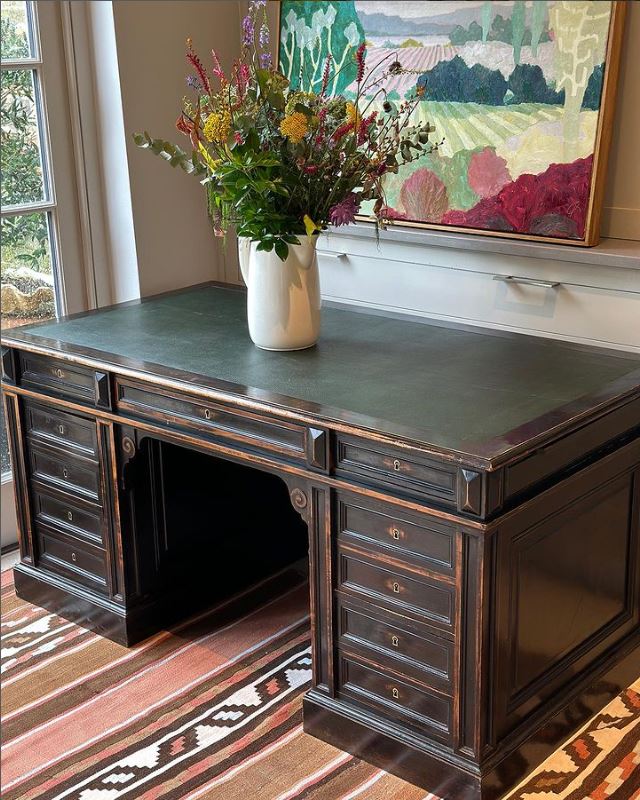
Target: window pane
x,y
28,293
22,175
17,41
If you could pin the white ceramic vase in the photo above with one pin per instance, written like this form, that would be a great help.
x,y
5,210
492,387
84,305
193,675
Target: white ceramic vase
x,y
283,297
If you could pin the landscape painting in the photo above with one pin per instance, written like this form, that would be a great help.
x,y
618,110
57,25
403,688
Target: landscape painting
x,y
520,94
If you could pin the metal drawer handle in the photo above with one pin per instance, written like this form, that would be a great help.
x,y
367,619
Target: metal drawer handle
x,y
396,587
74,557
395,641
395,693
526,281
396,465
70,516
61,430
65,472
330,254
395,533
59,373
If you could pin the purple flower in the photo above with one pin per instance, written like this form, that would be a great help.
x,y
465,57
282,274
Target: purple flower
x,y
265,60
194,83
248,31
264,35
345,212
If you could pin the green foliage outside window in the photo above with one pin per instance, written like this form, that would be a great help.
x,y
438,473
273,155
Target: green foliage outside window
x,y
24,237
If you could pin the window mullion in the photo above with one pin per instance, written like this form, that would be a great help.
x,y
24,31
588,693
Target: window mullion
x,y
27,208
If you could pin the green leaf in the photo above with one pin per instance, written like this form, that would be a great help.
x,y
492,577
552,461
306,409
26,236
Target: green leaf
x,y
282,249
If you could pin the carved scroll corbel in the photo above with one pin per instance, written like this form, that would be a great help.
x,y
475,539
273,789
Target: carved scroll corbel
x,y
300,501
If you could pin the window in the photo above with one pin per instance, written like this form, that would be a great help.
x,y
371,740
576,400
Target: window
x,y
41,272
28,198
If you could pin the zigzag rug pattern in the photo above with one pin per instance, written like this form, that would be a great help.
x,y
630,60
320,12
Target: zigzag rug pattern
x,y
211,710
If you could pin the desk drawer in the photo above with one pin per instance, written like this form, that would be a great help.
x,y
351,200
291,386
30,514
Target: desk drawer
x,y
71,516
432,541
68,556
61,429
405,469
423,656
429,600
425,712
246,428
65,471
64,378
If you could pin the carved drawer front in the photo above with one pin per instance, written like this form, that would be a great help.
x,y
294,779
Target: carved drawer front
x,y
65,471
430,600
80,519
72,558
432,541
63,378
417,653
172,409
404,705
402,468
61,429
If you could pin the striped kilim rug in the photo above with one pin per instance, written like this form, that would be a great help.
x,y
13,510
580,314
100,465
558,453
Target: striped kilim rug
x,y
212,709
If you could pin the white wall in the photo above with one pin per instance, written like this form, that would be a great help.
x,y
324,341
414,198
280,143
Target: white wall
x,y
175,245
621,213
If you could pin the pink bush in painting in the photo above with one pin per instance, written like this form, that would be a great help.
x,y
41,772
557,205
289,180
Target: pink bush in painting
x,y
424,196
487,172
553,203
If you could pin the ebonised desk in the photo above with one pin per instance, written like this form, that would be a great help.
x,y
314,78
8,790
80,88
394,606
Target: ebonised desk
x,y
471,501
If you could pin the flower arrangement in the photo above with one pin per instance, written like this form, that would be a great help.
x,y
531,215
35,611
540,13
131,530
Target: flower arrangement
x,y
280,160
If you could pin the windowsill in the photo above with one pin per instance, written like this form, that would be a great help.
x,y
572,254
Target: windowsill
x,y
621,253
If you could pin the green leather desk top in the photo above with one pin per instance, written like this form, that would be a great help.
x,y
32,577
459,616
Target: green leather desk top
x,y
474,392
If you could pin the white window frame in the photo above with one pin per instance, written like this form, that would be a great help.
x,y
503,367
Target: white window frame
x,y
73,271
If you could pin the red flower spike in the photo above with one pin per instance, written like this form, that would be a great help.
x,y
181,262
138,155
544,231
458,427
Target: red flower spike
x,y
342,130
364,126
325,76
360,62
217,69
195,62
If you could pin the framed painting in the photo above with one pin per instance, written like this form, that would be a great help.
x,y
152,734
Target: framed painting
x,y
521,94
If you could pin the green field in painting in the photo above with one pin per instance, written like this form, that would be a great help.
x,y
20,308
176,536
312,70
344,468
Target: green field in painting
x,y
466,126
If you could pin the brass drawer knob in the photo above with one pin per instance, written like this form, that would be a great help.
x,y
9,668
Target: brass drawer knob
x,y
395,641
396,587
396,465
395,693
70,516
74,558
395,533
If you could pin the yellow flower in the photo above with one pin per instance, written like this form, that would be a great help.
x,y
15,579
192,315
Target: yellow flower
x,y
294,126
217,127
353,115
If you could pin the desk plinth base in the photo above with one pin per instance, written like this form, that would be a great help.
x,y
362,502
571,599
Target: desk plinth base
x,y
99,615
449,776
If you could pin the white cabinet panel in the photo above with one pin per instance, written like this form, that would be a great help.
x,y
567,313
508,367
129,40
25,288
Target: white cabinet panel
x,y
575,309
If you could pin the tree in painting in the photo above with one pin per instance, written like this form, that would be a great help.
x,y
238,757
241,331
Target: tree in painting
x,y
512,86
580,28
308,32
